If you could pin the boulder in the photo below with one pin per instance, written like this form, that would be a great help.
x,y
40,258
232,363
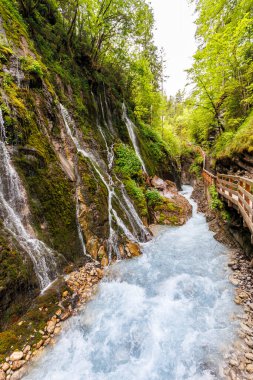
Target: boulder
x,y
16,355
158,183
134,249
104,261
93,247
51,326
5,367
26,349
249,368
65,316
17,364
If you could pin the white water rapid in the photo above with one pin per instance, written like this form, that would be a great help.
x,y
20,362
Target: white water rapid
x,y
15,215
131,131
163,316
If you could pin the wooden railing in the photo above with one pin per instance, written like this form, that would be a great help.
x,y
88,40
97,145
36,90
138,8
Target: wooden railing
x,y
237,191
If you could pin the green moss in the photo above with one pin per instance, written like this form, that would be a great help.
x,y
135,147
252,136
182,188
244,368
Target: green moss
x,y
53,206
27,329
17,280
196,166
5,53
8,339
32,66
136,193
13,23
162,218
95,197
173,219
153,198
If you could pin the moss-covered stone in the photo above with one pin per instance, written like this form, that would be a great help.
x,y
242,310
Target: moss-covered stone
x,y
29,327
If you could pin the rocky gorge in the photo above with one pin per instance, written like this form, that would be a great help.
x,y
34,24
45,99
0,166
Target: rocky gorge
x,y
104,259
78,179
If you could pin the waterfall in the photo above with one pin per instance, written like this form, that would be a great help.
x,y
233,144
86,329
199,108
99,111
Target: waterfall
x,y
109,184
112,235
128,208
18,76
15,215
131,127
2,128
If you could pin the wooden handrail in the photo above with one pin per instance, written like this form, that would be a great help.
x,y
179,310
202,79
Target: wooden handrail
x,y
237,192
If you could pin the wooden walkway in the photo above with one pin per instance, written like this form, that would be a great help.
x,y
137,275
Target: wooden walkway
x,y
236,191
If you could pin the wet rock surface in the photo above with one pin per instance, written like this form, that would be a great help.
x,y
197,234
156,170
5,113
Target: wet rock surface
x,y
174,209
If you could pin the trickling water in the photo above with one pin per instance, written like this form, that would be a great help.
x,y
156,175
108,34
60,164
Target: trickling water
x,y
2,128
162,316
132,135
112,239
14,213
128,208
109,183
18,75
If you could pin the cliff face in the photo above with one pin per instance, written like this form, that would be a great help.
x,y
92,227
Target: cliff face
x,y
74,167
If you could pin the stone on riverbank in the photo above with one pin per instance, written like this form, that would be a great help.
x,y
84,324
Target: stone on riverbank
x,y
16,355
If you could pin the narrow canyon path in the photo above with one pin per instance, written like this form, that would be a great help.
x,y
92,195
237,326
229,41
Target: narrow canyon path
x,y
166,315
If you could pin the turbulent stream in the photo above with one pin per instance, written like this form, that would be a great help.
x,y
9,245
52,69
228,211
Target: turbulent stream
x,y
166,315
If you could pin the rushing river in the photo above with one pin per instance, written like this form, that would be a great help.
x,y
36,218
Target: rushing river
x,y
166,315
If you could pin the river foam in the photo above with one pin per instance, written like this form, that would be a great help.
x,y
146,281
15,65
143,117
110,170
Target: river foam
x,y
163,316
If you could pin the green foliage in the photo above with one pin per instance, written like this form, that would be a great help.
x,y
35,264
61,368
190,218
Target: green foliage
x,y
153,198
216,203
230,143
32,66
5,52
127,163
223,76
136,193
196,166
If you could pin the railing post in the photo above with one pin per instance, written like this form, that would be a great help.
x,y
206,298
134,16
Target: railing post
x,y
247,188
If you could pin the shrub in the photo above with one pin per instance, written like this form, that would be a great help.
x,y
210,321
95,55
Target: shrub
x,y
127,163
153,198
137,195
216,203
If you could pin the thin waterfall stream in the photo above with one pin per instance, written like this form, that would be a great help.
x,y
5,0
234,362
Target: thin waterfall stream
x,y
166,315
107,180
15,215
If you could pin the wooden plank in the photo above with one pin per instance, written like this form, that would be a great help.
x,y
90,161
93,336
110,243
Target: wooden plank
x,y
233,200
245,192
238,178
228,176
246,218
209,173
227,189
229,184
248,181
246,205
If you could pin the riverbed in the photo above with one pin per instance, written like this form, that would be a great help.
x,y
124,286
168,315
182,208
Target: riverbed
x,y
167,315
